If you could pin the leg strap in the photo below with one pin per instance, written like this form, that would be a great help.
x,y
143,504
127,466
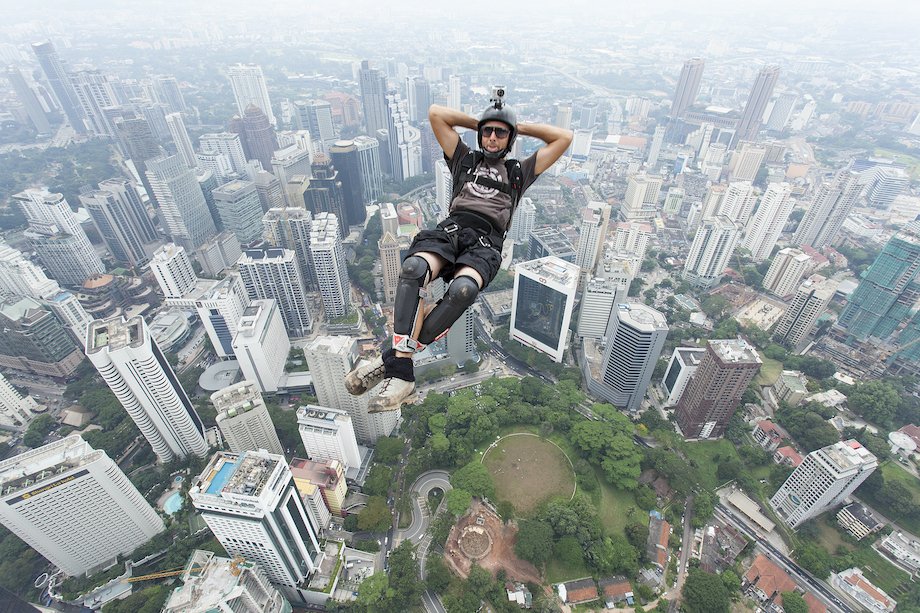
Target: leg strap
x,y
460,295
413,277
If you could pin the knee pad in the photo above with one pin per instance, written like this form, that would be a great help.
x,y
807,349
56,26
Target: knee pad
x,y
412,278
414,268
460,295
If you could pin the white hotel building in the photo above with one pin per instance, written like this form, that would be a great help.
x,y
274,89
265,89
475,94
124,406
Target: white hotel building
x,y
328,434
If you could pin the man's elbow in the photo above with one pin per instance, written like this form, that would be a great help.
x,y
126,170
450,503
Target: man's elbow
x,y
567,136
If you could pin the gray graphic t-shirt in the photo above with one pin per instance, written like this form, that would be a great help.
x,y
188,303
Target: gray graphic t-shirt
x,y
488,201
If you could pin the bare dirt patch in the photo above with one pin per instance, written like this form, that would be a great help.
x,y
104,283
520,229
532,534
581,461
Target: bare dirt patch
x,y
528,470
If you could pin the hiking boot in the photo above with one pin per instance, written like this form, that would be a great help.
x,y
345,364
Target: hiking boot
x,y
393,393
364,376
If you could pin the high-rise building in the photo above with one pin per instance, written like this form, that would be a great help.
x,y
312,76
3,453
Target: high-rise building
x,y
274,273
823,480
711,250
228,145
746,161
808,304
523,221
682,366
715,390
764,229
422,98
34,340
369,162
738,202
261,345
550,241
243,419
139,144
181,139
212,583
654,149
28,100
635,337
173,271
15,409
268,187
330,266
183,209
240,210
59,80
289,228
641,199
71,313
121,218
330,358
324,193
328,434
688,86
294,160
888,289
137,372
828,209
887,185
781,112
316,116
373,98
346,159
73,505
597,301
168,92
587,117
20,277
260,140
543,298
96,96
454,86
631,239
251,504
752,115
219,253
592,234
403,140
786,271
563,116
248,84
220,307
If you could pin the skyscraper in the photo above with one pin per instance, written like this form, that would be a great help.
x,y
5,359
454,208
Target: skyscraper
x,y
261,345
271,195
243,419
746,161
635,337
373,98
137,372
183,209
229,145
287,163
15,408
20,277
274,273
403,140
346,159
597,301
173,271
828,209
654,149
139,144
752,115
369,162
34,340
641,199
250,503
328,434
764,229
887,185
316,116
822,481
95,94
738,202
786,271
324,193
808,304
710,252
28,100
240,210
168,92
74,505
259,141
782,111
330,266
681,368
544,295
715,391
289,228
180,137
688,87
121,218
592,233
248,84
60,84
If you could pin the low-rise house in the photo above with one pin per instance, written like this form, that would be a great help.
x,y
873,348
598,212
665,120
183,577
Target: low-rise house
x,y
615,590
862,592
902,550
518,592
832,398
578,591
858,521
913,432
787,456
791,387
652,578
656,547
769,435
766,582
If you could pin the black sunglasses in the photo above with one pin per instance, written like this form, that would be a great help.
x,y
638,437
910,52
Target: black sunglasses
x,y
499,132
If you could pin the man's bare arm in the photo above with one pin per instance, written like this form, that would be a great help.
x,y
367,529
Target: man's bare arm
x,y
443,121
557,141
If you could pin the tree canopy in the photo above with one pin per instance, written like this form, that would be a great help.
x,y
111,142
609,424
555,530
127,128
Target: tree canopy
x,y
704,593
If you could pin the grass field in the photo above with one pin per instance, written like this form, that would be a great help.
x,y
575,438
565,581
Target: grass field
x,y
769,372
912,163
529,470
703,453
557,572
613,507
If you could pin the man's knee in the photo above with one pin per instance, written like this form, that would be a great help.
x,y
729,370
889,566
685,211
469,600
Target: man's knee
x,y
463,290
414,268
460,295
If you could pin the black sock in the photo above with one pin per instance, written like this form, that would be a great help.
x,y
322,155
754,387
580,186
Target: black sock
x,y
399,368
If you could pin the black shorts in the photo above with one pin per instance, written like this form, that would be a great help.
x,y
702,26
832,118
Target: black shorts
x,y
470,252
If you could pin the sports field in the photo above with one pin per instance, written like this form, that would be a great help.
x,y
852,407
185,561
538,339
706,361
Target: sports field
x,y
528,470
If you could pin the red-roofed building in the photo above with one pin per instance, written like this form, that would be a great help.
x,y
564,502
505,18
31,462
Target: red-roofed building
x,y
787,456
913,432
656,548
765,581
615,590
859,589
768,435
818,261
578,591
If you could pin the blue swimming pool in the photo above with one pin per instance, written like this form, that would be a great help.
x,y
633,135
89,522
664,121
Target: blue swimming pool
x,y
173,503
220,479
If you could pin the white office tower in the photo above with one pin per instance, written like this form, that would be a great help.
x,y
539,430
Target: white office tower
x,y
211,584
269,189
563,116
523,222
631,239
274,273
654,149
596,303
738,202
243,419
694,215
20,277
179,133
73,505
220,309
121,219
711,251
15,409
328,434
71,313
183,209
219,253
251,504
443,184
673,201
887,185
808,304
95,92
764,229
453,92
330,265
591,236
828,210
781,112
369,165
173,271
746,161
56,235
137,372
641,199
261,345
330,358
315,116
786,271
544,295
684,362
712,201
581,144
635,338
823,480
713,161
248,84
229,147
290,162
290,228
240,210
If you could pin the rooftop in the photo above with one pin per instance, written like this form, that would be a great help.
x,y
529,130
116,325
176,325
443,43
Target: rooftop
x,y
244,474
39,467
736,351
847,455
209,581
116,333
641,317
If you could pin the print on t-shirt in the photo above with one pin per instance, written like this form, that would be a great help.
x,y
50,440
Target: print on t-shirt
x,y
481,190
